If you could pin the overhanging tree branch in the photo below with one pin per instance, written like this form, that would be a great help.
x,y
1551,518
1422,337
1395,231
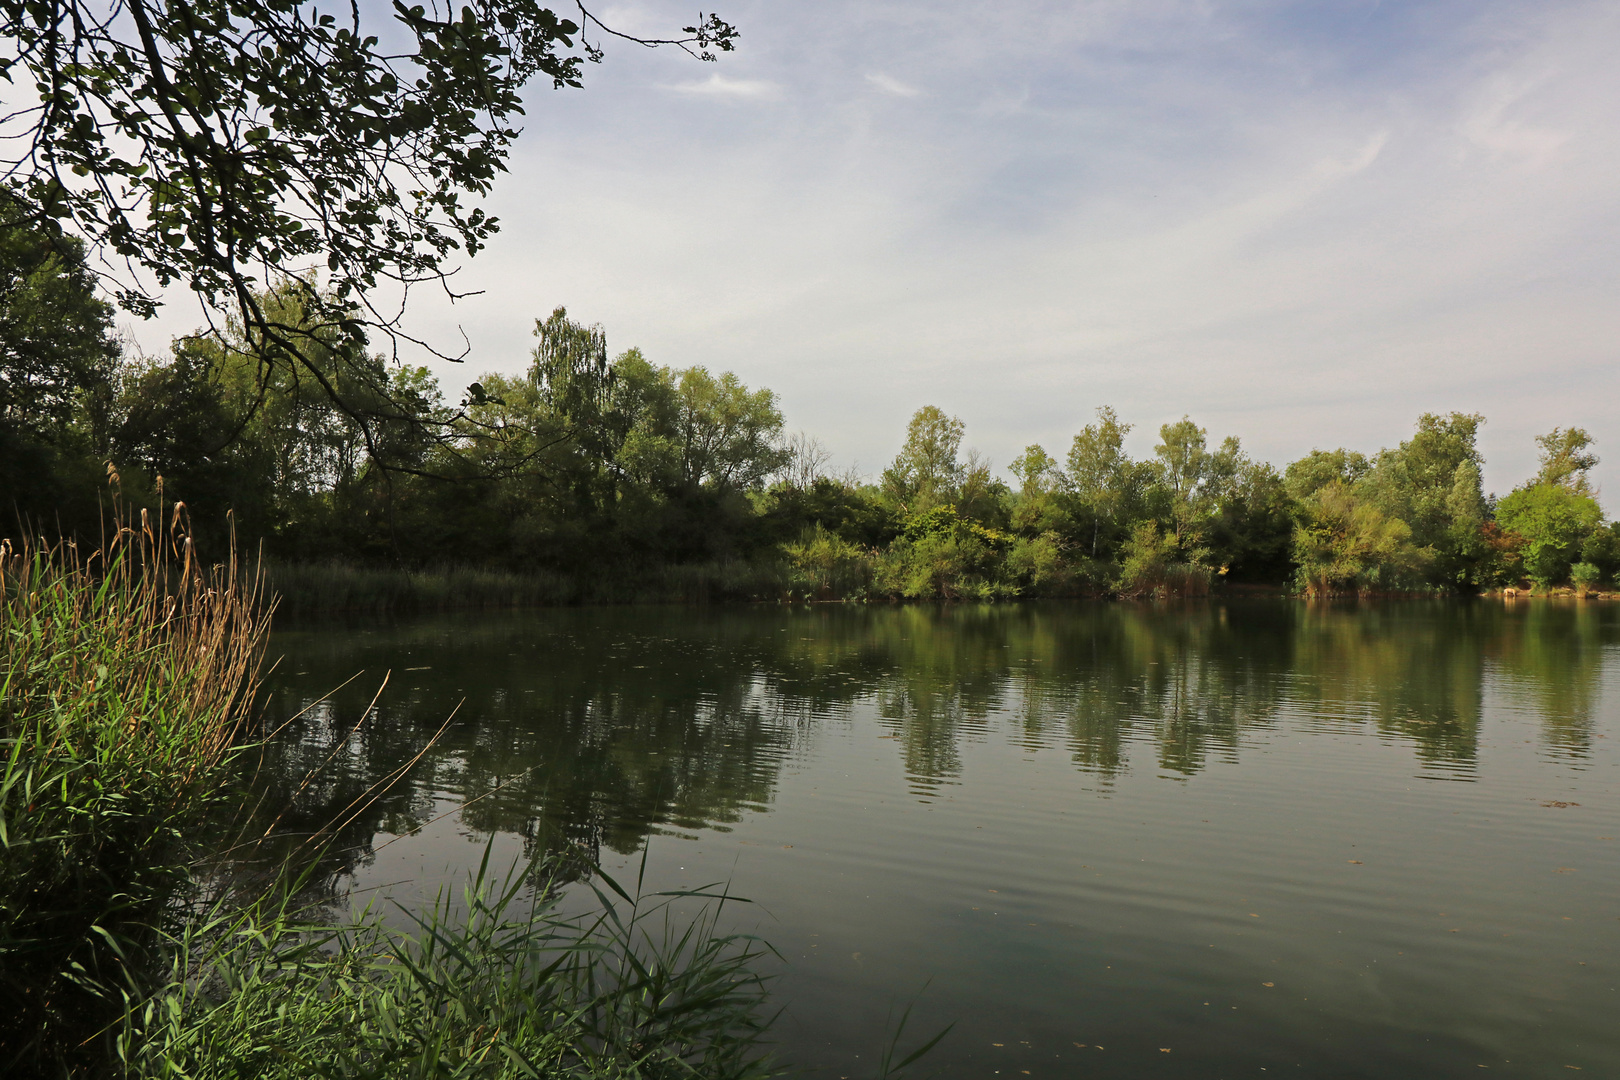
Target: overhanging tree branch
x,y
229,144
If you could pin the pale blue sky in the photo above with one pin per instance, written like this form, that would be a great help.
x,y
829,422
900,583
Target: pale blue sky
x,y
1300,223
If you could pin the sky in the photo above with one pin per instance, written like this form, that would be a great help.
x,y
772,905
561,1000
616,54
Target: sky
x,y
1303,224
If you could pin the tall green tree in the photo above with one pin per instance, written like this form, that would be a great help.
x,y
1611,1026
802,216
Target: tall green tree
x,y
1566,458
980,497
1314,471
694,430
1432,482
1555,520
1102,478
58,358
1035,470
301,455
926,472
1248,525
1205,488
56,338
1183,461
1039,477
1345,544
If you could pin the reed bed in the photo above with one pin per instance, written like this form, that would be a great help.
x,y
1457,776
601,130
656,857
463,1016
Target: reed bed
x,y
128,673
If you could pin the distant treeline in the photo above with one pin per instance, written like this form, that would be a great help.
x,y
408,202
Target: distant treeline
x,y
617,478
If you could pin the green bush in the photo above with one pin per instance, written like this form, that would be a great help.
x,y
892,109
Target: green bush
x,y
1585,577
1156,565
1602,550
940,556
825,566
1554,521
1344,544
1037,566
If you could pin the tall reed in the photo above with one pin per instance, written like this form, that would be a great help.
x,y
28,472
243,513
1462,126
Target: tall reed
x,y
128,672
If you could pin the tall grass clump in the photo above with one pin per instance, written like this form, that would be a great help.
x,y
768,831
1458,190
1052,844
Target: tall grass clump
x,y
508,986
128,672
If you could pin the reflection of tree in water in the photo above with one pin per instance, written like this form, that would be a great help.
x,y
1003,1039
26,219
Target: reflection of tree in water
x,y
1213,677
1414,668
318,784
1550,653
1095,678
945,670
590,729
580,735
604,769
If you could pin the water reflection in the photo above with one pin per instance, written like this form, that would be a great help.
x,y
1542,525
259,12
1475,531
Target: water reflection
x,y
589,729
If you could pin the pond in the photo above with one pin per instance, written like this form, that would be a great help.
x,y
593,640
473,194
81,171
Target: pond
x,y
1227,839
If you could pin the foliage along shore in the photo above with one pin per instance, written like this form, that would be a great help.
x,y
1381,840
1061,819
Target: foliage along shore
x,y
596,478
318,590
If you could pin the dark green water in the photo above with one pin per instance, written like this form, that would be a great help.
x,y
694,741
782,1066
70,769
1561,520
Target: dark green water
x,y
1234,839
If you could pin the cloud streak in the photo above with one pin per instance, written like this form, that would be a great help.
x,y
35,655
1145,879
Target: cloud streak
x,y
720,86
890,85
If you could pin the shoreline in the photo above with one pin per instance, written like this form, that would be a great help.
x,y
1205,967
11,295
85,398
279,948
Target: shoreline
x,y
304,591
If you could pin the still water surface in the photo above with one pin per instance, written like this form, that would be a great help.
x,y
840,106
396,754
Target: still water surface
x,y
1233,839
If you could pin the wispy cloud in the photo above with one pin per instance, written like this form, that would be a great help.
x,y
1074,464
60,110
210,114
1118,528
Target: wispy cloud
x,y
1491,126
891,85
1302,224
718,85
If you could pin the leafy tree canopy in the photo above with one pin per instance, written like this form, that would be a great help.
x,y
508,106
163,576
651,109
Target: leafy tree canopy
x,y
56,339
1346,544
1554,520
224,144
1417,480
926,472
1101,475
1566,458
1182,458
1098,464
1035,471
1314,471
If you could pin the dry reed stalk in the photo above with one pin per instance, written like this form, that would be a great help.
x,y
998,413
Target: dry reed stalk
x,y
139,625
